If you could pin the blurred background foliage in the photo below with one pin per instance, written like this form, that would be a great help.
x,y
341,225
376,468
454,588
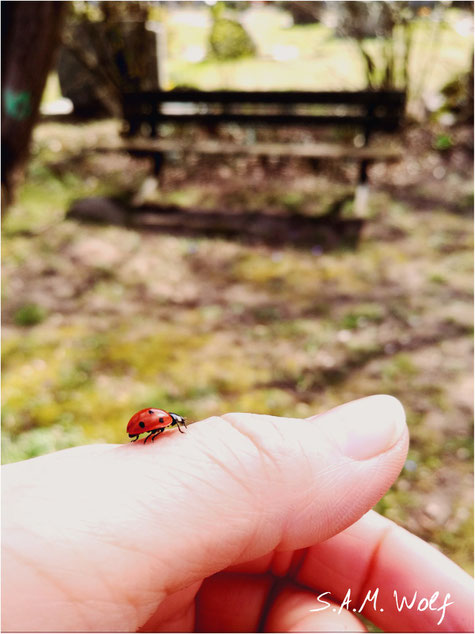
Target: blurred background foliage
x,y
102,320
416,46
228,39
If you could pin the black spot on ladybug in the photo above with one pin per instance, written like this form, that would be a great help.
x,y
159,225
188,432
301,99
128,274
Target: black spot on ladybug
x,y
142,424
160,420
150,411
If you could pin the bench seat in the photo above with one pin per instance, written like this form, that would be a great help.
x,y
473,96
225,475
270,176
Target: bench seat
x,y
387,152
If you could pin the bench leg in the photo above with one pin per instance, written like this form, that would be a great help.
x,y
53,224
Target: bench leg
x,y
146,191
158,160
151,184
362,192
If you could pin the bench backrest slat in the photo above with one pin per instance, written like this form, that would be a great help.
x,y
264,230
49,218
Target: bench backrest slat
x,y
364,98
376,110
380,123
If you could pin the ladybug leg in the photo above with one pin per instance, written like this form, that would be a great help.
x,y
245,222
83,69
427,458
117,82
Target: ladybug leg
x,y
157,433
149,436
183,423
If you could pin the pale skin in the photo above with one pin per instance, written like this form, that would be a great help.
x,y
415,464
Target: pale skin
x,y
236,526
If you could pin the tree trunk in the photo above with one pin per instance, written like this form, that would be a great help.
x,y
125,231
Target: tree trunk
x,y
30,34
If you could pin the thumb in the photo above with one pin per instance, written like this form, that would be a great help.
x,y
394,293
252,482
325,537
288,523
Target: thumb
x,y
118,528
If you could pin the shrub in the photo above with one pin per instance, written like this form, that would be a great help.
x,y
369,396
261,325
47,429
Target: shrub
x,y
229,40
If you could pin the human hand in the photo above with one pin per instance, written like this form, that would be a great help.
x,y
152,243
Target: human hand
x,y
238,526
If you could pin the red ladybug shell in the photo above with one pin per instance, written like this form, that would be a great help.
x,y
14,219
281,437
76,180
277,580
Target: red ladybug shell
x,y
148,419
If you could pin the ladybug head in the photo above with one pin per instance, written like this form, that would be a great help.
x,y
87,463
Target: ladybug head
x,y
177,419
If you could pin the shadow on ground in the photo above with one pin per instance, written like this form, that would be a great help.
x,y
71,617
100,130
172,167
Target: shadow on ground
x,y
329,231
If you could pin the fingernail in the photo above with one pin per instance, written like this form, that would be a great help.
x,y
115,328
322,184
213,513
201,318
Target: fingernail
x,y
366,428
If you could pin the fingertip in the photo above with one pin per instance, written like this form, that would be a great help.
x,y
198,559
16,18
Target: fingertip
x,y
367,427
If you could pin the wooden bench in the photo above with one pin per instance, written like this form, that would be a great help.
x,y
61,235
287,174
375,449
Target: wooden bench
x,y
365,113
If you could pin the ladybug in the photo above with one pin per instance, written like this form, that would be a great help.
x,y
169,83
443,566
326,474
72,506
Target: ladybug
x,y
153,421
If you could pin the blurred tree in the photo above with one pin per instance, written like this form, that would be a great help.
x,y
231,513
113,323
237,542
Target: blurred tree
x,y
30,33
107,50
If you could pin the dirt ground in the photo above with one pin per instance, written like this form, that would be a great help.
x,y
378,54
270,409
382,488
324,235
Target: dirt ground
x,y
240,284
